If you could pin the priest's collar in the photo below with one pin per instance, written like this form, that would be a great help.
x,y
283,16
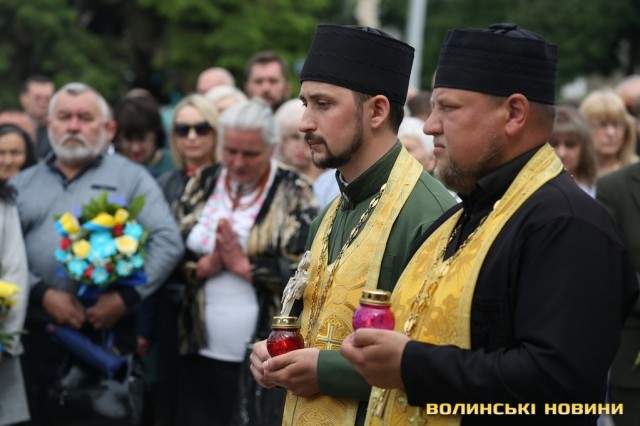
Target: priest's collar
x,y
491,187
369,182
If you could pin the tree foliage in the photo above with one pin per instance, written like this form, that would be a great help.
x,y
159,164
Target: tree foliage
x,y
162,45
595,36
158,44
44,37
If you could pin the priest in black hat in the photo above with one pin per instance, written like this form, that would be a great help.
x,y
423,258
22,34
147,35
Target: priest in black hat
x,y
354,85
518,295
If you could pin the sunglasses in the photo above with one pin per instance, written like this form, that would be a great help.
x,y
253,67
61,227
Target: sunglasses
x,y
182,130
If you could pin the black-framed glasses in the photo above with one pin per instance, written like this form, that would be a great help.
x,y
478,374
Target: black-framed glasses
x,y
183,129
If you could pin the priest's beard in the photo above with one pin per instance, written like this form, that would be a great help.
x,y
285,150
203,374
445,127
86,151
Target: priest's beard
x,y
463,179
333,160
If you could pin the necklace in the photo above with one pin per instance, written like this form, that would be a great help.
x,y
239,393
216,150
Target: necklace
x,y
236,196
319,295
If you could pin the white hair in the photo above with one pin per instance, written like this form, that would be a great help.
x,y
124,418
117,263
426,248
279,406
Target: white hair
x,y
254,114
223,92
289,115
75,89
411,127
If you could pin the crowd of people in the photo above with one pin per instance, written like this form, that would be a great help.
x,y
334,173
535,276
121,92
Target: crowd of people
x,y
474,203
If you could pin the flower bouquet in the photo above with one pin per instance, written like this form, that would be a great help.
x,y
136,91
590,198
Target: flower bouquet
x,y
100,247
103,245
8,292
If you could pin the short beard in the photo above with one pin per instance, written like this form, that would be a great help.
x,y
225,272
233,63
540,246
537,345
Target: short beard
x,y
463,181
334,161
77,155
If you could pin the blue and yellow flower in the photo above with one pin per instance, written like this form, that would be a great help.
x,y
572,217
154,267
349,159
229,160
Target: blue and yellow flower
x,y
120,217
104,219
62,255
101,243
81,249
134,230
77,268
68,224
137,261
8,292
101,222
100,275
123,268
59,229
126,245
103,246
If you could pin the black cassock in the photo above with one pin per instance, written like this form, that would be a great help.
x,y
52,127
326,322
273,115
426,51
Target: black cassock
x,y
547,309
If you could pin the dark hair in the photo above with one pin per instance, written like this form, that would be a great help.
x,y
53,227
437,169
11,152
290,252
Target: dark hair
x,y
548,113
396,115
30,152
396,111
266,57
138,115
34,79
420,103
7,192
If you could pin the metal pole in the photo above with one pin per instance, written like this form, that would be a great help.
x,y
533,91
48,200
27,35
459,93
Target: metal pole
x,y
415,37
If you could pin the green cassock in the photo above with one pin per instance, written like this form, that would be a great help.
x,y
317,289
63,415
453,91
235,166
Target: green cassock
x,y
428,200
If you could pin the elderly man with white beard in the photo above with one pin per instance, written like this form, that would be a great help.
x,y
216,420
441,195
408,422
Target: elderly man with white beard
x,y
80,128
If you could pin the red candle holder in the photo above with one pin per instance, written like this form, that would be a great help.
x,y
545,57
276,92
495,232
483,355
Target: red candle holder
x,y
285,336
374,311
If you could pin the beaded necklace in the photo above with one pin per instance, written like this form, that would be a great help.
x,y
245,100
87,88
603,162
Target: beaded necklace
x,y
236,196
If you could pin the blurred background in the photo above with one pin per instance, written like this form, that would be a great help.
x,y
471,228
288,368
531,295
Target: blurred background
x,y
162,45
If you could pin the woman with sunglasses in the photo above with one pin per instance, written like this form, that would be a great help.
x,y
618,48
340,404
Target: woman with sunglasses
x,y
193,142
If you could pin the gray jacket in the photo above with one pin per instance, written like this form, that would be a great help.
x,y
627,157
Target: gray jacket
x,y
43,191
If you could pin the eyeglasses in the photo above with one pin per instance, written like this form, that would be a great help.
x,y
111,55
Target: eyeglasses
x,y
182,129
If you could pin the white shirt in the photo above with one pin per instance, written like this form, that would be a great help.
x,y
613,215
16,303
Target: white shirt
x,y
326,188
231,305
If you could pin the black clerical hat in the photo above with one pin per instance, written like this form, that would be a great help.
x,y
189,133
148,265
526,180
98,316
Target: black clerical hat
x,y
501,60
363,59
